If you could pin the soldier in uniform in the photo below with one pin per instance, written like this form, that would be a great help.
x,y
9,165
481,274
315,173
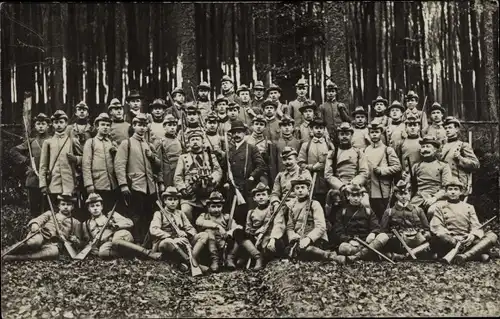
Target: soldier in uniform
x,y
378,114
227,87
44,245
179,97
333,111
202,104
272,131
459,155
169,149
21,156
395,131
303,131
294,106
411,104
97,163
436,128
456,221
274,94
258,96
157,110
312,156
167,240
196,175
220,106
360,136
191,122
134,101
246,112
135,166
408,149
214,140
287,138
81,129
120,129
233,111
383,165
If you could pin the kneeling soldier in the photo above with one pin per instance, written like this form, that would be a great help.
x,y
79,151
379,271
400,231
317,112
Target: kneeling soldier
x,y
356,220
166,239
116,239
409,220
44,245
455,221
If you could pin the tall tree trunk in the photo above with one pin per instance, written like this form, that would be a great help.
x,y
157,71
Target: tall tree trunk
x,y
491,60
186,29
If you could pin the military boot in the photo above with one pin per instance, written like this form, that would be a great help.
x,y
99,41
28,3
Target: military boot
x,y
254,253
482,246
365,253
339,259
197,248
214,255
136,250
314,251
184,257
230,257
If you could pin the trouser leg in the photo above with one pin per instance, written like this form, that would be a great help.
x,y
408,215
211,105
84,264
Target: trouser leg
x,y
479,247
46,252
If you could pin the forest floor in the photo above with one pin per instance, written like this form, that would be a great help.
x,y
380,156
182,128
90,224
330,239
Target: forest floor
x,y
141,289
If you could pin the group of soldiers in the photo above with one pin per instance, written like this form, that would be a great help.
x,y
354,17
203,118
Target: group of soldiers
x,y
247,178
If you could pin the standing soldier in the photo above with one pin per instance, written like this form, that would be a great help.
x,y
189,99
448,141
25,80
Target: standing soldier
x,y
436,128
196,175
179,97
383,165
272,131
227,87
97,163
378,116
134,167
246,112
294,106
81,129
134,101
408,149
303,131
169,149
220,106
191,122
411,104
233,110
214,140
459,155
332,111
119,130
274,94
157,110
360,136
395,131
287,138
202,104
258,96
22,155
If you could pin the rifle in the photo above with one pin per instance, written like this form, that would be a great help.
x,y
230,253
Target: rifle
x,y
195,268
269,222
452,253
413,181
374,250
19,244
71,251
239,196
229,225
32,160
405,245
178,115
469,182
85,251
423,112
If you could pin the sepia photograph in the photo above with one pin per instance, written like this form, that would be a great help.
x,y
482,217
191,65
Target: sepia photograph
x,y
252,159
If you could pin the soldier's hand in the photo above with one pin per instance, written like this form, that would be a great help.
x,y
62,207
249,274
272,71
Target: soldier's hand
x,y
43,190
184,193
271,245
429,201
405,176
161,186
226,185
316,166
370,238
251,179
376,171
73,239
125,190
194,178
72,158
468,240
221,230
182,233
456,154
112,151
149,153
90,189
34,227
275,205
304,242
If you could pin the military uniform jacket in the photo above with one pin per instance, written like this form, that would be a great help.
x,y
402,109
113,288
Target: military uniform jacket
x,y
245,115
119,131
208,222
455,219
157,130
57,169
403,218
169,150
284,141
80,132
92,226
160,228
231,96
97,164
360,138
256,219
272,130
431,178
67,224
224,125
408,148
384,121
349,166
396,134
20,154
386,159
353,221
203,107
293,110
312,152
245,161
269,153
132,166
437,130
333,113
257,105
304,132
315,227
462,166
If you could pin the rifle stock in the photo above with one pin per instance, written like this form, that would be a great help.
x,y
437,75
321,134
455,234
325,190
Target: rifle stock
x,y
71,251
401,239
449,256
19,244
229,226
239,196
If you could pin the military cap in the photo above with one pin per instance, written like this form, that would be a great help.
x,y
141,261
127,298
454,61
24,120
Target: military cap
x,y
259,118
190,108
396,104
286,119
308,104
93,198
59,114
212,116
215,197
169,118
194,133
42,117
232,105
402,186
380,99
140,118
178,90
429,139
242,88
301,83
270,102
300,181
359,110
273,87
102,117
412,119
237,125
158,102
82,105
259,85
330,85
355,189
287,151
317,121
411,94
261,187
220,98
115,103
66,197
454,182
451,120
437,106
345,127
170,191
134,94
226,78
375,126
204,85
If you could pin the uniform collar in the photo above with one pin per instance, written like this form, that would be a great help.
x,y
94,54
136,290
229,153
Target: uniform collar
x,y
138,137
101,138
287,138
452,139
318,140
293,171
60,135
301,99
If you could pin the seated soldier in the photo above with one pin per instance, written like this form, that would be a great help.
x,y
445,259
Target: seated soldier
x,y
116,240
44,245
306,227
409,220
455,221
165,237
356,220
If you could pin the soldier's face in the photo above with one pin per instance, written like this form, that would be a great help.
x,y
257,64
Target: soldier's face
x,y
192,117
308,114
116,113
360,119
318,131
301,91
135,104
81,113
245,96
375,135
65,207
232,113
261,198
221,107
290,161
170,128
412,128
274,95
203,94
238,135
269,111
258,127
301,191
395,113
60,125
427,150
436,116
211,126
195,142
171,202
158,111
453,192
403,197
103,127
179,98
355,199
259,93
331,94
95,209
215,209
412,103
41,127
227,85
379,107
345,137
140,128
286,129
451,130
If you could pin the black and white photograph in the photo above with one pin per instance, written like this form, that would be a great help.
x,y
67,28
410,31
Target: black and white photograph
x,y
250,159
